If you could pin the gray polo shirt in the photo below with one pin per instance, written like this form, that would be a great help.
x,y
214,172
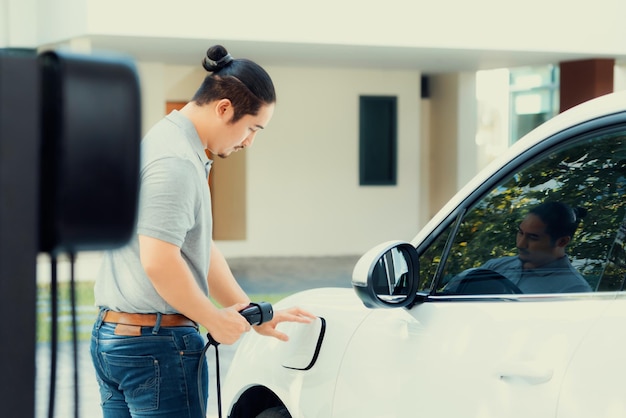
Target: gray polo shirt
x,y
558,276
174,206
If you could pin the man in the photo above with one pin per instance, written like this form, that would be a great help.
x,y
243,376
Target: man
x,y
153,293
542,265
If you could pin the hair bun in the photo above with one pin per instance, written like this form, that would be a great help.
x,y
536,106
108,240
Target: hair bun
x,y
217,57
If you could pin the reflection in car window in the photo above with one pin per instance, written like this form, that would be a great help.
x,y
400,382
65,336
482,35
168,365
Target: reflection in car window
x,y
589,173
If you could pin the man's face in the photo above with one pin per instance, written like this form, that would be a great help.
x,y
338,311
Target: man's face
x,y
535,246
241,134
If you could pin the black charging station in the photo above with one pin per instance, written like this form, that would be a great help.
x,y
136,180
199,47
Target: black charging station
x,y
70,127
89,152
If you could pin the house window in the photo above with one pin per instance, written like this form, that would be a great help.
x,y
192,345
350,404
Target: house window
x,y
534,98
377,140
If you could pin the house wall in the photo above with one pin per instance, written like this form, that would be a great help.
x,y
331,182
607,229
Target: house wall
x,y
303,193
302,189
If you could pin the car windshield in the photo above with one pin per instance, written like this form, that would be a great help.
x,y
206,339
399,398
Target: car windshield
x,y
507,241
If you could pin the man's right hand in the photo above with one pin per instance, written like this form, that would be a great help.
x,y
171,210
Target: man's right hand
x,y
228,325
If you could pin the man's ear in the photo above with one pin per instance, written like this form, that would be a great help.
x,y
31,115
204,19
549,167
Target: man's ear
x,y
223,107
563,241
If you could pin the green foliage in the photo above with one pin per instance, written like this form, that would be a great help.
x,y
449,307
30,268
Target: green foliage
x,y
86,311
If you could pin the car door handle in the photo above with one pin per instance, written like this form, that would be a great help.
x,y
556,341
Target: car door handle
x,y
529,371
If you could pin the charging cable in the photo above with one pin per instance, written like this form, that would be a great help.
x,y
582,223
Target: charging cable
x,y
54,332
255,314
54,310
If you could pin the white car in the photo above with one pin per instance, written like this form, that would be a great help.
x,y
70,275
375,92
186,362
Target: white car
x,y
405,342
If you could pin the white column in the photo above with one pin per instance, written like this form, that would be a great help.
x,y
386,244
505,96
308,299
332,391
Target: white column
x,y
467,155
452,152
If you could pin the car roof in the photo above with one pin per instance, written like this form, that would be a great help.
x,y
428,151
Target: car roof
x,y
608,104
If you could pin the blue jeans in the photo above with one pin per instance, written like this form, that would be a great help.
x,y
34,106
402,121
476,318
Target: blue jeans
x,y
160,373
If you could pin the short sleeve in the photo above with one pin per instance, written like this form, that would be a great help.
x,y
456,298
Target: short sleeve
x,y
168,200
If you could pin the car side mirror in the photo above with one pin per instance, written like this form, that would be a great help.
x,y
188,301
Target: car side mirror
x,y
387,275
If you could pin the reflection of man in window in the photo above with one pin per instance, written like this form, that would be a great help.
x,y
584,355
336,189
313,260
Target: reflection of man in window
x,y
541,265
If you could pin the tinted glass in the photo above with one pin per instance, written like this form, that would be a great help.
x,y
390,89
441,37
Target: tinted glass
x,y
589,172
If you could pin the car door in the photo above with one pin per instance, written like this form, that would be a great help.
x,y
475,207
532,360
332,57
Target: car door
x,y
594,382
485,352
462,359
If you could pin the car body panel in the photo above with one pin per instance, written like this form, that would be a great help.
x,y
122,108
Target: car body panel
x,y
594,383
528,345
317,383
541,355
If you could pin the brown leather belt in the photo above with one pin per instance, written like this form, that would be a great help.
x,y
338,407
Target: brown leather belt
x,y
148,320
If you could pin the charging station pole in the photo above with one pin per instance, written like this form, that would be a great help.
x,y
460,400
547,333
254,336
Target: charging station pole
x,y
69,176
19,202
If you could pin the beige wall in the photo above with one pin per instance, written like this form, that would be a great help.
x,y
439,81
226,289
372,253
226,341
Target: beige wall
x,y
303,191
452,150
303,196
443,145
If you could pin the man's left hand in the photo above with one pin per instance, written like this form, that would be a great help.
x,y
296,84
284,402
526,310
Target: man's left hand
x,y
294,314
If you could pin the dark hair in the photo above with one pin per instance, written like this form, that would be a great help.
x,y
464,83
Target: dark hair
x,y
560,218
246,84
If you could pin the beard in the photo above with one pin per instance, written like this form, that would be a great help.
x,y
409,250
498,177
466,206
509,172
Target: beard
x,y
223,155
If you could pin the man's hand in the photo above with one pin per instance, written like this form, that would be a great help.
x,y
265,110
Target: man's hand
x,y
284,315
228,325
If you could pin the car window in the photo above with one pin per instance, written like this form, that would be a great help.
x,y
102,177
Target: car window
x,y
480,245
